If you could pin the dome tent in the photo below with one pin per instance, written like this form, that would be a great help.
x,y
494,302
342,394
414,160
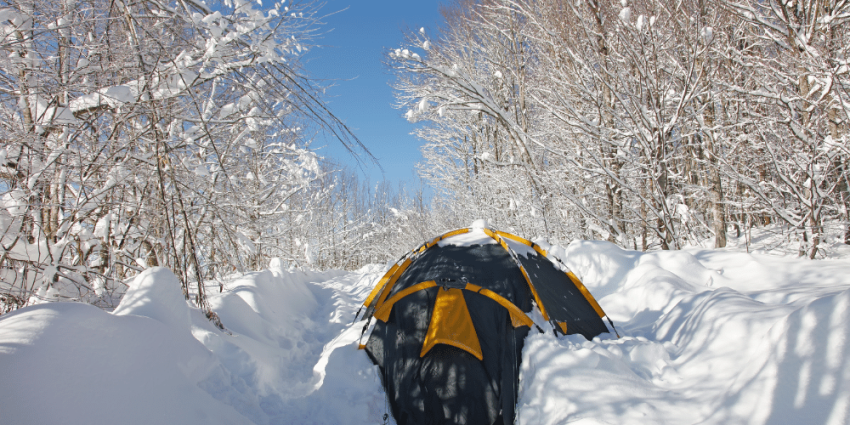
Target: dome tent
x,y
451,317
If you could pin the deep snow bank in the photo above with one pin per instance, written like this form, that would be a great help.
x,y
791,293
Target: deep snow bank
x,y
709,337
288,357
68,363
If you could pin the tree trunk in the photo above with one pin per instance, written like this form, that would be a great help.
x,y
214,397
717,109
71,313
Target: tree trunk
x,y
715,186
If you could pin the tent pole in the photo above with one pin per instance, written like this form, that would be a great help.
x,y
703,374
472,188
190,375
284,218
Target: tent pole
x,y
612,327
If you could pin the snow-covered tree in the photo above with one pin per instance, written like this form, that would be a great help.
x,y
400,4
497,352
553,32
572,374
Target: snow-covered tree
x,y
650,123
797,87
149,133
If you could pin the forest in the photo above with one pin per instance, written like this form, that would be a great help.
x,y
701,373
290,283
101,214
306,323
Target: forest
x,y
178,133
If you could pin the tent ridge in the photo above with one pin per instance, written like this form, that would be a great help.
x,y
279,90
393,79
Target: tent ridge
x,y
518,317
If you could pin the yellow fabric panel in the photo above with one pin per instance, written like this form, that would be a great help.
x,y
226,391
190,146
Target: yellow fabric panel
x,y
389,286
524,241
456,232
380,285
517,321
383,313
522,269
429,244
444,236
473,288
534,292
518,317
586,294
450,234
504,245
563,326
451,324
540,250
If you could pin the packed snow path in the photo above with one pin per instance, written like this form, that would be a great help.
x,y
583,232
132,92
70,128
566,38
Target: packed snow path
x,y
714,337
286,358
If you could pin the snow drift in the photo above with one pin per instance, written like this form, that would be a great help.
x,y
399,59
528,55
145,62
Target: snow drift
x,y
714,337
709,337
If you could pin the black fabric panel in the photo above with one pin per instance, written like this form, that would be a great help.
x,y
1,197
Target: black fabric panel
x,y
456,388
450,386
488,266
498,340
563,301
514,340
395,346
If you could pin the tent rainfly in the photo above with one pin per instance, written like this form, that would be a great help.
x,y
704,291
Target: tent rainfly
x,y
451,317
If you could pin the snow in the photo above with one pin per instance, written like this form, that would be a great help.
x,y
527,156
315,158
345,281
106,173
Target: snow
x,y
288,355
156,293
111,96
708,336
54,115
707,34
14,202
625,14
75,364
476,236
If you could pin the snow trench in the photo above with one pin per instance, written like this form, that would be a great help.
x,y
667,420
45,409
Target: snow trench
x,y
708,337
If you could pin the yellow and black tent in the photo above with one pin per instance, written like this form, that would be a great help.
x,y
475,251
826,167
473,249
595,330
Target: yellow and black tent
x,y
451,317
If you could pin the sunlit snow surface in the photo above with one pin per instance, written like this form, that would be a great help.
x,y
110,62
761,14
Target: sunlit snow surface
x,y
473,237
709,337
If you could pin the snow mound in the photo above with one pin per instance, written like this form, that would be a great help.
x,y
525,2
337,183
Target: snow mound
x,y
799,372
289,355
75,364
708,337
156,293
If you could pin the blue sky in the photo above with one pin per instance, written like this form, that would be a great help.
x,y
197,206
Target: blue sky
x,y
353,46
